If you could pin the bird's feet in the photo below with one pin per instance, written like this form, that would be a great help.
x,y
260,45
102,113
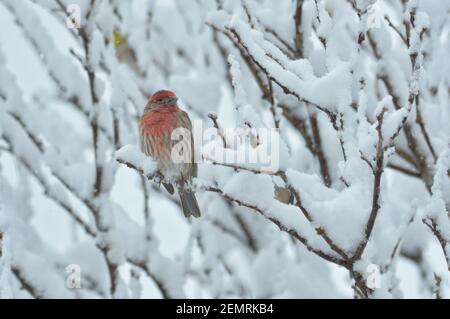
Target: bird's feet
x,y
159,178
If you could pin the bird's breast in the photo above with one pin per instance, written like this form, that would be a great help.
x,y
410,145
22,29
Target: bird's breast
x,y
157,124
156,130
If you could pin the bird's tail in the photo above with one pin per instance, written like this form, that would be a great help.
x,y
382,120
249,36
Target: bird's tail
x,y
189,203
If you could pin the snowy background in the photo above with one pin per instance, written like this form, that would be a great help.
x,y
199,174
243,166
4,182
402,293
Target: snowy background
x,y
360,93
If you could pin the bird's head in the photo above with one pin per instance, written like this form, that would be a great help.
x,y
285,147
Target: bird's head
x,y
162,98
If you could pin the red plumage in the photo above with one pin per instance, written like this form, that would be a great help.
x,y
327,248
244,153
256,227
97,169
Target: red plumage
x,y
160,119
160,95
156,128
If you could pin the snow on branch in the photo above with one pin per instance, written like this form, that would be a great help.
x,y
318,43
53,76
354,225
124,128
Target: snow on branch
x,y
277,66
132,157
279,215
357,94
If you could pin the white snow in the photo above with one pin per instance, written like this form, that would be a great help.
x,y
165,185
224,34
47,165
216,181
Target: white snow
x,y
65,200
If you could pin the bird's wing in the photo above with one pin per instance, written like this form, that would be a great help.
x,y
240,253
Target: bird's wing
x,y
186,123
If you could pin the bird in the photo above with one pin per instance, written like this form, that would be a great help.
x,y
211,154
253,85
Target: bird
x,y
124,53
160,120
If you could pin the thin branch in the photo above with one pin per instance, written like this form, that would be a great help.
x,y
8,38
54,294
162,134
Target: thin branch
x,y
159,283
437,289
365,159
36,141
48,190
298,32
273,105
418,158
432,225
299,125
323,162
213,118
26,284
68,208
224,54
253,67
290,50
378,171
426,136
251,241
319,230
291,232
400,34
244,168
231,233
404,170
283,87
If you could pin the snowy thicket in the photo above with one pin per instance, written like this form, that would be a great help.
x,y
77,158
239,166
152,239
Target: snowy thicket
x,y
356,92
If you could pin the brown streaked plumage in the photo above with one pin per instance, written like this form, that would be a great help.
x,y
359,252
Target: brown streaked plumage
x,y
160,120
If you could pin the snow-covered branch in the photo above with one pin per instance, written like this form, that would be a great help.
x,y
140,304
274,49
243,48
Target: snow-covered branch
x,y
355,93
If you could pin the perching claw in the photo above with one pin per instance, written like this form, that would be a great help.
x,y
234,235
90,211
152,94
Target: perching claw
x,y
158,178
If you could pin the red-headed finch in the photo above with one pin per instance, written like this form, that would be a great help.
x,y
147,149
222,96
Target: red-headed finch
x,y
166,135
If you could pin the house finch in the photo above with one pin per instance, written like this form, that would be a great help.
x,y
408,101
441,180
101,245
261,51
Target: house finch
x,y
162,122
